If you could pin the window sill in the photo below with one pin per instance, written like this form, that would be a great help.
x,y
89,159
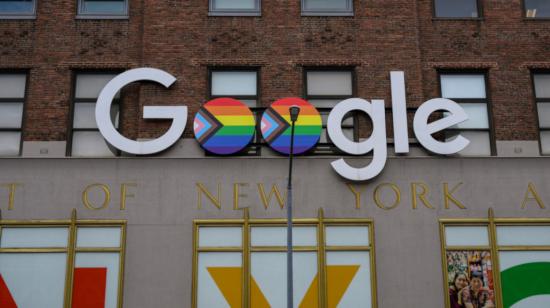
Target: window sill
x,y
458,19
235,14
536,18
119,17
12,17
329,14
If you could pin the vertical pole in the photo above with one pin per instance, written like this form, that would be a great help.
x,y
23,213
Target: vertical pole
x,y
321,259
289,269
246,259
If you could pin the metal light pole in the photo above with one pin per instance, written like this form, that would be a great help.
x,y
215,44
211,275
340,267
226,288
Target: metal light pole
x,y
294,111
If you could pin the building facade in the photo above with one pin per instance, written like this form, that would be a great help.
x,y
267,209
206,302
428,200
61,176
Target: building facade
x,y
86,224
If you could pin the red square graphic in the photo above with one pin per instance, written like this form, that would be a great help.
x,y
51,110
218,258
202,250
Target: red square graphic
x,y
89,287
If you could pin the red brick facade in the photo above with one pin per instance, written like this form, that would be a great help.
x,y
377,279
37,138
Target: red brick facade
x,y
178,36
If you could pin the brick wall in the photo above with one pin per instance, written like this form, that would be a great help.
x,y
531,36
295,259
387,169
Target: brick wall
x,y
179,37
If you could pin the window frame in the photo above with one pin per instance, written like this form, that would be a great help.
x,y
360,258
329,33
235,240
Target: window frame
x,y
538,100
320,12
491,223
486,101
74,100
254,148
23,101
81,14
328,148
30,15
322,249
524,12
480,16
71,248
256,11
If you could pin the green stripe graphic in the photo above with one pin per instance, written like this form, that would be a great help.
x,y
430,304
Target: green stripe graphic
x,y
304,130
235,130
525,280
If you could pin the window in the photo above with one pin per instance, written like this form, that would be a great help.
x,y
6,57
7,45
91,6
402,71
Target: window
x,y
34,263
324,89
327,7
507,259
103,8
457,9
17,8
327,253
240,84
12,98
542,97
468,90
86,138
537,8
234,7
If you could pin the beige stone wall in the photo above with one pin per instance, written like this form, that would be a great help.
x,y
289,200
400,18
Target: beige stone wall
x,y
162,201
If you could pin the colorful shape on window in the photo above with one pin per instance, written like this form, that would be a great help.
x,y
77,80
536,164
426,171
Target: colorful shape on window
x,y
6,300
89,287
524,281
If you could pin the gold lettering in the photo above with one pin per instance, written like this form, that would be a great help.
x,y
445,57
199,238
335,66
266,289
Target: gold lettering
x,y
11,194
106,193
420,195
266,200
124,194
534,196
448,196
237,194
396,191
203,190
356,194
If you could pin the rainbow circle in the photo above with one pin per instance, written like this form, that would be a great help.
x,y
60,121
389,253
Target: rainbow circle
x,y
276,126
224,126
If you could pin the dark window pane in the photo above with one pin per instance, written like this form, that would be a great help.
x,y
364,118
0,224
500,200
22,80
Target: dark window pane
x,y
326,5
14,7
537,8
104,7
234,4
456,8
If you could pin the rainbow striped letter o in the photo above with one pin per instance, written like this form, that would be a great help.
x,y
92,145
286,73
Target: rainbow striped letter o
x,y
224,126
276,128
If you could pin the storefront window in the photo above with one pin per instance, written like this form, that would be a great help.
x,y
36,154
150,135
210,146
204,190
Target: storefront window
x,y
468,90
456,9
17,8
327,7
324,89
12,98
496,263
87,141
537,8
103,8
245,260
235,7
542,97
47,264
241,84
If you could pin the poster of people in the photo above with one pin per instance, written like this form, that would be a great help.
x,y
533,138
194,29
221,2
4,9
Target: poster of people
x,y
470,279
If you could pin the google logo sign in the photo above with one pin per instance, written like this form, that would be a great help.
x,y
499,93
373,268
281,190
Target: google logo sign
x,y
225,126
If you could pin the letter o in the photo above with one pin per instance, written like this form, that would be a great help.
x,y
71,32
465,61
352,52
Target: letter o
x,y
106,200
377,196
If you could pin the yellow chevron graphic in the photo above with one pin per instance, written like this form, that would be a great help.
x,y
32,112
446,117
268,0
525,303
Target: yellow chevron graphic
x,y
229,281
